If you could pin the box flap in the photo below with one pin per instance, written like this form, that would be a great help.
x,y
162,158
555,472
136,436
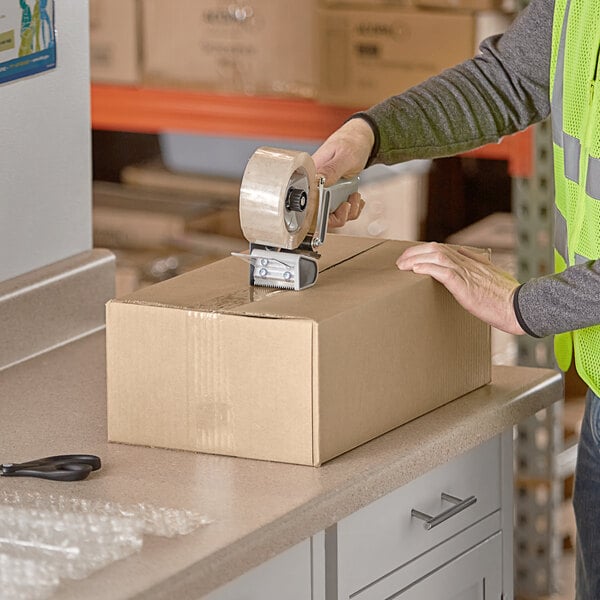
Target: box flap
x,y
223,286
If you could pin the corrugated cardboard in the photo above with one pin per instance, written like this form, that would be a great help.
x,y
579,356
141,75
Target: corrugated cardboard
x,y
205,362
259,46
368,54
115,54
397,205
462,4
126,217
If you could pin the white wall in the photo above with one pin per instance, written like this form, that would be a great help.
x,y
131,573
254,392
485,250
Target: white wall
x,y
45,154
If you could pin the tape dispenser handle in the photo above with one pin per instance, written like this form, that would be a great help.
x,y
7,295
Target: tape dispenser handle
x,y
330,199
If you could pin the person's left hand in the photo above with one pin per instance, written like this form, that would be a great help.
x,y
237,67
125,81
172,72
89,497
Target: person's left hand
x,y
479,286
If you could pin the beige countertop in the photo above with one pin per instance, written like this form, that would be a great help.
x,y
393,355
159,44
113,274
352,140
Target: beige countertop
x,y
56,404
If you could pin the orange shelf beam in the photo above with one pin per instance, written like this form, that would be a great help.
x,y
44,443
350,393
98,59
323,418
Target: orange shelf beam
x,y
150,110
517,149
153,110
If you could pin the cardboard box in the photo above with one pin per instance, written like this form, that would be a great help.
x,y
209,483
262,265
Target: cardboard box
x,y
464,5
369,3
115,53
396,202
136,269
124,218
498,233
370,54
259,46
222,191
204,362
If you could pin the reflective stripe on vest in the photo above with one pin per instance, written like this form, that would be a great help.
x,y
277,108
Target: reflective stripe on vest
x,y
557,91
560,235
592,184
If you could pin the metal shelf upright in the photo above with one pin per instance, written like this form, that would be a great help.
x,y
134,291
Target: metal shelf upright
x,y
540,439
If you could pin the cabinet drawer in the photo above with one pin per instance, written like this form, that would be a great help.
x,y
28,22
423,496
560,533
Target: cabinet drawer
x,y
384,535
466,566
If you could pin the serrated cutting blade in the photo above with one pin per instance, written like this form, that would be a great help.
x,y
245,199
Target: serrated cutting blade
x,y
281,269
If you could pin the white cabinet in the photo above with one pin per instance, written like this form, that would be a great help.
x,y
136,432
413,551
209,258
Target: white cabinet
x,y
385,551
288,575
413,541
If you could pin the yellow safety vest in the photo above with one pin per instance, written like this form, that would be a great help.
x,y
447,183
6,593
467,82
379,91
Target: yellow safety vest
x,y
574,73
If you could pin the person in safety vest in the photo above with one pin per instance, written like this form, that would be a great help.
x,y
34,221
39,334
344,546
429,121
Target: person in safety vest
x,y
546,63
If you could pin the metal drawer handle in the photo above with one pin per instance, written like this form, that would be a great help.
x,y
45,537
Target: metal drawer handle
x,y
459,506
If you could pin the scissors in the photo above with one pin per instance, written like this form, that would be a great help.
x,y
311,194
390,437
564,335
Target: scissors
x,y
66,467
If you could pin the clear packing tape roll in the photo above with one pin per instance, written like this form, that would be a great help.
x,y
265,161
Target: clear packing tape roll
x,y
47,538
265,216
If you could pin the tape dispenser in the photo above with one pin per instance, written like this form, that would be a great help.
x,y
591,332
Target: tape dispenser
x,y
284,207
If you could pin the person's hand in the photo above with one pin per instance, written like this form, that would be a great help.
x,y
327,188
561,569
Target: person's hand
x,y
345,154
346,211
478,285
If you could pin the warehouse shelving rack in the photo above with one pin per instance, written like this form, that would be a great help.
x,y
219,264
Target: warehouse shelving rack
x,y
155,110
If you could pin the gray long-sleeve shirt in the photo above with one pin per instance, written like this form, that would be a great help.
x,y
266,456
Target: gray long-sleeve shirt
x,y
500,91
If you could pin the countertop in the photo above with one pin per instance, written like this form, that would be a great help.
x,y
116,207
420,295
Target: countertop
x,y
56,404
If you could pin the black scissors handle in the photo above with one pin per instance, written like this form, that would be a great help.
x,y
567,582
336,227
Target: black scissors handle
x,y
66,467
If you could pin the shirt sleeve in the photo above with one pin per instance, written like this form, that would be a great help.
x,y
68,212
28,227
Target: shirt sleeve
x,y
560,302
500,91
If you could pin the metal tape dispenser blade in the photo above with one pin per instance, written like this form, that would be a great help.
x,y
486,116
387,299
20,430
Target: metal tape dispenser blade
x,y
280,196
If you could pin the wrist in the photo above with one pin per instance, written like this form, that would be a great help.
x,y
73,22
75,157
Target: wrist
x,y
363,125
519,327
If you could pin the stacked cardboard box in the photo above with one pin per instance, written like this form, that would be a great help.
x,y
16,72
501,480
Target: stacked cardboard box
x,y
395,202
115,41
157,234
369,53
347,52
258,47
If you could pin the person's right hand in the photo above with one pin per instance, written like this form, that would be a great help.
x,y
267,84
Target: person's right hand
x,y
345,154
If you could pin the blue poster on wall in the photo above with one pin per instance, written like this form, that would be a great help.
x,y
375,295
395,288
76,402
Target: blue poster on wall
x,y
27,38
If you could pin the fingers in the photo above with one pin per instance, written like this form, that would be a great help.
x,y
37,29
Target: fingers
x,y
347,211
441,254
340,216
356,205
431,253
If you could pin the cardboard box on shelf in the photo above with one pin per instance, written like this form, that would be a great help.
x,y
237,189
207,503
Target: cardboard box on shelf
x,y
204,362
369,3
260,46
125,217
466,5
136,269
115,38
368,55
395,202
154,175
498,233
463,5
